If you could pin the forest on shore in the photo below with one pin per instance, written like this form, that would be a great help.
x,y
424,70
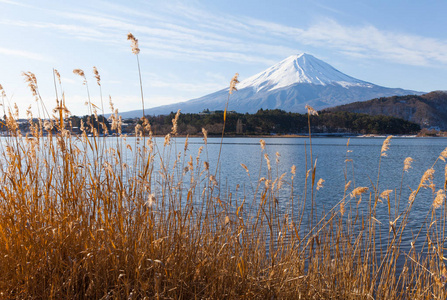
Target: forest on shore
x,y
271,122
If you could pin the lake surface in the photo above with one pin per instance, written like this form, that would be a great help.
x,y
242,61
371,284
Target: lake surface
x,y
336,164
331,154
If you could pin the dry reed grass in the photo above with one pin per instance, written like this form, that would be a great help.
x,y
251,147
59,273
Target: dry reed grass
x,y
91,218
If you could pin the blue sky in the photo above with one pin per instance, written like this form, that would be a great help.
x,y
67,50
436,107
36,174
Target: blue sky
x,y
192,48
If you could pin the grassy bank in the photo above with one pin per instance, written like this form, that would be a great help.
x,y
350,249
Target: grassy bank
x,y
105,218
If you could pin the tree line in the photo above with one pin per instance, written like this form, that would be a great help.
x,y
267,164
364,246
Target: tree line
x,y
263,122
274,122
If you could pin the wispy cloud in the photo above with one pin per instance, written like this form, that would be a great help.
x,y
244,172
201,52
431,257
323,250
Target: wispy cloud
x,y
14,3
363,41
70,29
23,54
372,42
166,39
187,87
173,82
134,102
329,8
254,37
193,33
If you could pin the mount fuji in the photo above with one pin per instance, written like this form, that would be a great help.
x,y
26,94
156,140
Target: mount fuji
x,y
288,85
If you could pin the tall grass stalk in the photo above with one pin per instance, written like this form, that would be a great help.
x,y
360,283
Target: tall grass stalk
x,y
232,88
136,50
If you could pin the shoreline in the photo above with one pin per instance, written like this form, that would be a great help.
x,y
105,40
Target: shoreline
x,y
315,135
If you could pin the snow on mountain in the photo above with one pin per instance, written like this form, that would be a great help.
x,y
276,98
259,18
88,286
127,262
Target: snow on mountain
x,y
302,68
288,85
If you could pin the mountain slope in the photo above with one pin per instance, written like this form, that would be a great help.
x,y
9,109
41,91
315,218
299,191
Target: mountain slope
x,y
288,85
428,110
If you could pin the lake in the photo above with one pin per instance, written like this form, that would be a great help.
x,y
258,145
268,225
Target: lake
x,y
331,154
336,164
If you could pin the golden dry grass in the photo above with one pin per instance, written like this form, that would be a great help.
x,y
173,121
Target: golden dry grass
x,y
115,218
80,220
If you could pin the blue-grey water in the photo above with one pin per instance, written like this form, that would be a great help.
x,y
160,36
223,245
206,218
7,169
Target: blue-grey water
x,y
331,155
337,163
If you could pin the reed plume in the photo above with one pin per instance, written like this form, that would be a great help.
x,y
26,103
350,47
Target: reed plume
x,y
31,80
320,184
385,194
174,123
58,75
79,72
310,110
427,177
233,83
134,43
407,163
97,76
439,200
358,191
347,185
262,143
205,135
245,167
385,145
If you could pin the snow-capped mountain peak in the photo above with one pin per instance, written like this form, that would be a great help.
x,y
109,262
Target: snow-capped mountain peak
x,y
302,68
288,85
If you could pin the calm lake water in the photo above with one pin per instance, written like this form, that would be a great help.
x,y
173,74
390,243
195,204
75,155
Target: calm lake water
x,y
331,154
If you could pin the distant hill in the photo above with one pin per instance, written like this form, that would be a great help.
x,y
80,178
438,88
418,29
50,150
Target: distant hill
x,y
428,110
288,85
